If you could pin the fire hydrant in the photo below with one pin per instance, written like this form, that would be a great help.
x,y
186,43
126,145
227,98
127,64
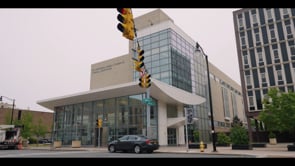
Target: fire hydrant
x,y
202,146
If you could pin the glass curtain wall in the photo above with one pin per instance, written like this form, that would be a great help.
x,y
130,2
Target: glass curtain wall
x,y
121,115
170,58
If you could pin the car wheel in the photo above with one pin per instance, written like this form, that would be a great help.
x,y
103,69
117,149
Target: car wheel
x,y
112,149
137,149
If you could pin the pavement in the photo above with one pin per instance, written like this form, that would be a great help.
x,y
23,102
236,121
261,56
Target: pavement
x,y
278,150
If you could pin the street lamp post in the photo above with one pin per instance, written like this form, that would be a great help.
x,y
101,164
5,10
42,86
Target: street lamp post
x,y
13,104
199,48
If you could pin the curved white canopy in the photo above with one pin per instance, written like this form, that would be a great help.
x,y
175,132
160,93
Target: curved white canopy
x,y
178,94
158,90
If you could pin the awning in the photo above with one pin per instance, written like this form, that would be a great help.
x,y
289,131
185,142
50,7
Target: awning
x,y
158,90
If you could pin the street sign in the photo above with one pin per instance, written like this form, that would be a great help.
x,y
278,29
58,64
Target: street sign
x,y
149,101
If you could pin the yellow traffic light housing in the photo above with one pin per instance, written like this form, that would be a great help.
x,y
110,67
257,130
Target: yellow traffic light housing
x,y
138,63
99,123
126,25
145,80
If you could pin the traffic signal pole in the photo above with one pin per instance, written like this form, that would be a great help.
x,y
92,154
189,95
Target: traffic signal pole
x,y
98,138
186,133
148,116
127,28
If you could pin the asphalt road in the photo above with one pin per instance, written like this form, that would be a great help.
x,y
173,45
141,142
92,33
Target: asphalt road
x,y
95,154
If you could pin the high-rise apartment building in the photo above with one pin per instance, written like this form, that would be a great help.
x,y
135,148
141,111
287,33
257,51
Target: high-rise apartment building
x,y
266,53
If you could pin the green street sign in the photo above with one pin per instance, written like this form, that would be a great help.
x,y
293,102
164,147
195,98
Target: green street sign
x,y
148,101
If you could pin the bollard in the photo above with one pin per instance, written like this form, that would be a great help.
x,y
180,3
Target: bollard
x,y
202,146
20,146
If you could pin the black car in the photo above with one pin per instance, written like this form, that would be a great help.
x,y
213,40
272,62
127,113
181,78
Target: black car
x,y
44,141
133,143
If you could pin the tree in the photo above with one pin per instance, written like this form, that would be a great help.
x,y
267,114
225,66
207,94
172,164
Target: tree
x,y
236,121
26,121
287,114
278,112
7,117
39,130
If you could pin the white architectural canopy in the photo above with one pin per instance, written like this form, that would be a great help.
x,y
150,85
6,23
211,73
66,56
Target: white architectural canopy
x,y
158,90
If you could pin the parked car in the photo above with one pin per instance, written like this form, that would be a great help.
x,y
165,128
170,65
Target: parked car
x,y
44,141
133,143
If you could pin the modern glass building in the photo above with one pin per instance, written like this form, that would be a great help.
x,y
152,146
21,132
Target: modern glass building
x,y
266,53
179,80
170,56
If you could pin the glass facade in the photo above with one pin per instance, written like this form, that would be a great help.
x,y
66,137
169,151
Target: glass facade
x,y
120,115
170,58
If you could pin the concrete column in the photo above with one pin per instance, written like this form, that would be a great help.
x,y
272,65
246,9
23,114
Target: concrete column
x,y
180,130
162,123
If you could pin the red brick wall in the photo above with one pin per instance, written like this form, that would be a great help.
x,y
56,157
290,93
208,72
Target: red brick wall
x,y
46,117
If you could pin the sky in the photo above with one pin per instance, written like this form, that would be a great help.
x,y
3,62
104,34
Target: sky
x,y
48,52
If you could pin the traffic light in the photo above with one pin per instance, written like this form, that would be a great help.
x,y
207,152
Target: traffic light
x,y
126,25
99,123
138,64
145,80
189,114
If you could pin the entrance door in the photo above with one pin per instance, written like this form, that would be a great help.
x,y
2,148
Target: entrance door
x,y
172,136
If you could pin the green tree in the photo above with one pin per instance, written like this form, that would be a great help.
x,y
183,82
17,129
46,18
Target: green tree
x,y
278,112
7,117
287,114
39,130
236,121
27,122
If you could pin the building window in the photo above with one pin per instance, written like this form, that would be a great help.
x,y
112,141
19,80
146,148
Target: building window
x,y
272,33
225,102
285,11
254,18
257,37
243,40
251,101
288,29
241,24
246,59
275,53
248,80
263,79
269,14
292,50
260,58
279,74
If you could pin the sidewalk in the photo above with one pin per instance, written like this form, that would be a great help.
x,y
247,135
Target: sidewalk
x,y
270,151
279,150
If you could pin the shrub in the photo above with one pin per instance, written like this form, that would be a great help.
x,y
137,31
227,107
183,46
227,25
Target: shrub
x,y
239,135
32,141
196,136
271,135
223,139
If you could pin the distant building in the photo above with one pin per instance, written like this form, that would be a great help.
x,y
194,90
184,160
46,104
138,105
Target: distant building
x,y
45,117
266,54
179,80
